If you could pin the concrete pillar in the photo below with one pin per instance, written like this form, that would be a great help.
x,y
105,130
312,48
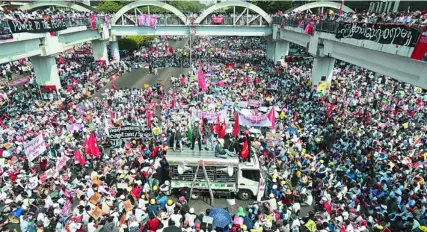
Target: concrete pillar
x,y
114,46
271,47
322,67
396,5
282,50
46,70
100,51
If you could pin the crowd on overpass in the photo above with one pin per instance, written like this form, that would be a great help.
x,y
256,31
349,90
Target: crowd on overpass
x,y
410,18
46,14
355,150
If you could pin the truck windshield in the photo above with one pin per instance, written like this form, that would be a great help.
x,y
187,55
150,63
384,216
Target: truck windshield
x,y
251,174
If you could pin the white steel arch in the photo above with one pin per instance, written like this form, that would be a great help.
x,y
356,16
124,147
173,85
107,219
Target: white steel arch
x,y
136,4
323,4
39,4
221,5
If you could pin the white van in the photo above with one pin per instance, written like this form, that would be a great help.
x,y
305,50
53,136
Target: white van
x,y
227,177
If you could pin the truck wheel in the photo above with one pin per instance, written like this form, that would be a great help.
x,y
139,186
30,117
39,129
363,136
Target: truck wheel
x,y
244,195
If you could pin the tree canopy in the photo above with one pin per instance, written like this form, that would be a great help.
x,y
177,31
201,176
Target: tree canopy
x,y
183,6
133,42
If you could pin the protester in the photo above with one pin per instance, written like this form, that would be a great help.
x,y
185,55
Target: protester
x,y
354,151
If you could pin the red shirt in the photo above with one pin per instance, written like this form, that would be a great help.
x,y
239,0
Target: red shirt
x,y
153,224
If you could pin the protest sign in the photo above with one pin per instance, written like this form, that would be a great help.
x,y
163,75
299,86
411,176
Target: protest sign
x,y
37,25
96,213
95,198
125,132
128,205
35,147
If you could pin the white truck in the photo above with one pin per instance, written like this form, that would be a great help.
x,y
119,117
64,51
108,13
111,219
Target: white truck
x,y
227,177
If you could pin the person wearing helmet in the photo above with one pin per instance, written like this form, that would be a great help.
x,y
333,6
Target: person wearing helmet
x,y
153,208
170,206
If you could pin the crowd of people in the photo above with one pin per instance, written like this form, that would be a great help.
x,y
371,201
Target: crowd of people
x,y
354,153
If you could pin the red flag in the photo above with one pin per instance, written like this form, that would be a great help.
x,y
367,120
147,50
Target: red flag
x,y
203,125
236,126
2,124
218,125
340,10
173,100
244,153
90,146
114,87
222,131
112,114
148,118
79,157
272,117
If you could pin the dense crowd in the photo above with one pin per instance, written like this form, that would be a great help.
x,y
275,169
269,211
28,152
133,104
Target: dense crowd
x,y
46,14
355,153
410,18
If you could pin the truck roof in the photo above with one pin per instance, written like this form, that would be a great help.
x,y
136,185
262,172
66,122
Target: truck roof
x,y
190,157
193,157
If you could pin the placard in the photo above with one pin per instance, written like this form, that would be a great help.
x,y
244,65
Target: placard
x,y
126,132
35,147
95,198
37,26
96,213
128,205
207,219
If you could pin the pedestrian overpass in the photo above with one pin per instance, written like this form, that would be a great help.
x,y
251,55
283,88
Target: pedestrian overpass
x,y
252,21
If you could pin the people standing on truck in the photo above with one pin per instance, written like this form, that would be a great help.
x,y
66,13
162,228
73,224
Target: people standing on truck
x,y
209,137
196,135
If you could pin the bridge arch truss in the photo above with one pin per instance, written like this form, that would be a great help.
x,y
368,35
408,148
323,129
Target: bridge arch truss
x,y
244,18
333,5
121,18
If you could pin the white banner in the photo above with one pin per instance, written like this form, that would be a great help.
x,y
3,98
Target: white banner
x,y
253,118
211,117
34,148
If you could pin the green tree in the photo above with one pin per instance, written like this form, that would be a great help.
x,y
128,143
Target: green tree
x,y
133,42
111,6
272,7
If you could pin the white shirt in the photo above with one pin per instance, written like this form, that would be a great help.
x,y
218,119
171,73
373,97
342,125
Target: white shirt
x,y
177,219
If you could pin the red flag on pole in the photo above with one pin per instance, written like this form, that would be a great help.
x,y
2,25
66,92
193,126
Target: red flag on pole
x,y
90,146
2,124
173,100
79,157
236,126
218,125
244,153
222,131
272,117
148,118
340,10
